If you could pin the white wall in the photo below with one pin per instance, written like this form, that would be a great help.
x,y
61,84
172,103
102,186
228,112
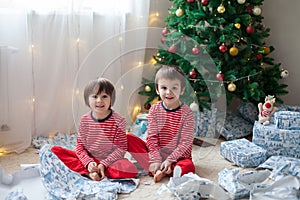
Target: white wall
x,y
282,17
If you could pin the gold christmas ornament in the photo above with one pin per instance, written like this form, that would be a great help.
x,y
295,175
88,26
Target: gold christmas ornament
x,y
237,25
233,51
231,87
221,9
179,12
147,88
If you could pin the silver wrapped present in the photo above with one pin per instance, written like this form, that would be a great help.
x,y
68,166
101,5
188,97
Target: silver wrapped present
x,y
243,153
289,120
277,141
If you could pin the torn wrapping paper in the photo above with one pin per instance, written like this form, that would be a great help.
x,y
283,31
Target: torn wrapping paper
x,y
59,139
277,141
282,166
62,183
243,153
288,120
192,187
238,184
286,187
22,185
234,126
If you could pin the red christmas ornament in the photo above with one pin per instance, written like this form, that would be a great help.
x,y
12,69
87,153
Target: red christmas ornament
x,y
162,39
204,2
195,50
220,76
193,74
259,56
250,29
222,48
250,9
147,107
190,1
173,49
165,31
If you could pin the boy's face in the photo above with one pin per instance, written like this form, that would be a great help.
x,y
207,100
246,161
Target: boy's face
x,y
169,91
99,104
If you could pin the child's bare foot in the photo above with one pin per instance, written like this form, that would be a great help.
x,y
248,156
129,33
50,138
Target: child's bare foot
x,y
158,176
94,176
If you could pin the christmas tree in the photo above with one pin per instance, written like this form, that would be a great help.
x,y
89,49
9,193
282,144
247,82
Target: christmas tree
x,y
220,47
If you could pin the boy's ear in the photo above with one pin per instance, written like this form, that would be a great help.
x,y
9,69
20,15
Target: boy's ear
x,y
157,92
182,91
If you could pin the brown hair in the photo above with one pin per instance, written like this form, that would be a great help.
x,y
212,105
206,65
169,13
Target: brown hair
x,y
170,72
97,86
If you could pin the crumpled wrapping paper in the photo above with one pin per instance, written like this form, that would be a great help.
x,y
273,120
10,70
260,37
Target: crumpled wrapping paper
x,y
258,185
62,183
192,187
286,187
282,166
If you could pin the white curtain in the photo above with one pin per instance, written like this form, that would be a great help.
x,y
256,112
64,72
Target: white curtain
x,y
48,53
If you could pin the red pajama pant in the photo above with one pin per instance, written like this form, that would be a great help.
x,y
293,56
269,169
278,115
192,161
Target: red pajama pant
x,y
122,168
138,149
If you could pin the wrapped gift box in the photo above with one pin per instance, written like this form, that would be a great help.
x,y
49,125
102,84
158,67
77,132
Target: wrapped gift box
x,y
285,108
140,128
277,141
289,120
243,153
248,111
205,122
234,126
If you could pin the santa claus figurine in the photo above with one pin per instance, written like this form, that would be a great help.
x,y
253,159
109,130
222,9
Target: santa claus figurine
x,y
266,110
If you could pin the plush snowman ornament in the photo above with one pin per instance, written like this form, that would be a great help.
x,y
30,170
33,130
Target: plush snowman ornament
x,y
266,110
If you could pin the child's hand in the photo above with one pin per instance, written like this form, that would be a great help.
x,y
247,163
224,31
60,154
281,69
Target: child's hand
x,y
101,170
166,167
92,167
154,167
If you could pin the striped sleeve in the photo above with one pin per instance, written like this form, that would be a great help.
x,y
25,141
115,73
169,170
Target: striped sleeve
x,y
81,151
153,137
